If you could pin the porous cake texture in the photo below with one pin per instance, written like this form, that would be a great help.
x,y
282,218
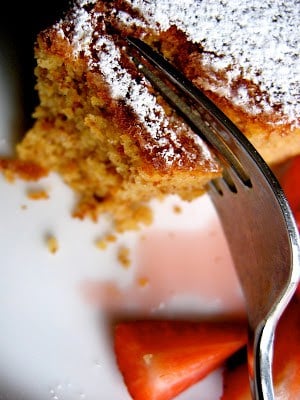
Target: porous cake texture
x,y
115,141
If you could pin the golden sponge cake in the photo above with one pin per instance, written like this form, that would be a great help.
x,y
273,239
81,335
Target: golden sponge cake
x,y
115,141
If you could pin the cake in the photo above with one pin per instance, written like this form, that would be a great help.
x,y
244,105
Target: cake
x,y
115,141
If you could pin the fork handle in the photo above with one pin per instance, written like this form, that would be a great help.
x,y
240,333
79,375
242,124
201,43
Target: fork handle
x,y
260,363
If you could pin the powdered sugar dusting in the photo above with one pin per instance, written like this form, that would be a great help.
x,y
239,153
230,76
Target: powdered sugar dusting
x,y
251,40
149,112
127,19
83,31
259,39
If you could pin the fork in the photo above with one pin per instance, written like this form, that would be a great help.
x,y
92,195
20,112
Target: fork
x,y
254,213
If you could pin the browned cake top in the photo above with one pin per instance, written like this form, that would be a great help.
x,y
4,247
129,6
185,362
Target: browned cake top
x,y
251,50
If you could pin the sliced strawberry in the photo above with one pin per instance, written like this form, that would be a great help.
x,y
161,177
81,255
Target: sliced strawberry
x,y
236,384
290,183
159,359
298,291
286,371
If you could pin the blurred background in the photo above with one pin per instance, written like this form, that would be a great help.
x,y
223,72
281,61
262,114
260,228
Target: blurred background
x,y
19,25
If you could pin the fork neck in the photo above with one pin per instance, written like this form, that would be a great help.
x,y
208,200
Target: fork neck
x,y
260,362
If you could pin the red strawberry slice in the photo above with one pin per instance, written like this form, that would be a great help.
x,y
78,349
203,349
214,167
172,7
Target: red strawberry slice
x,y
236,384
290,183
286,371
160,359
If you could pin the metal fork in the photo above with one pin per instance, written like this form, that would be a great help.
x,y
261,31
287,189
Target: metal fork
x,y
255,216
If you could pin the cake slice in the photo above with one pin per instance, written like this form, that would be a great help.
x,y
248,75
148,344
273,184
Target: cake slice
x,y
115,141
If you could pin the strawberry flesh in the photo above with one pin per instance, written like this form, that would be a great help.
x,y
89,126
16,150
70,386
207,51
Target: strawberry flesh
x,y
160,359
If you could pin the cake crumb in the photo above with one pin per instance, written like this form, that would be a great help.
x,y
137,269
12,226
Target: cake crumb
x,y
52,244
103,242
111,237
177,209
143,281
123,257
26,170
24,206
9,175
39,194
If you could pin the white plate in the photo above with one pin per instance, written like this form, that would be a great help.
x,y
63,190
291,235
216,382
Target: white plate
x,y
54,344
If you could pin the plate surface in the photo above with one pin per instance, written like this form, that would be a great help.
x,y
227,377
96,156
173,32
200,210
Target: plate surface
x,y
57,309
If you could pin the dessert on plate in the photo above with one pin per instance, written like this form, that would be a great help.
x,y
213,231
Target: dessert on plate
x,y
116,142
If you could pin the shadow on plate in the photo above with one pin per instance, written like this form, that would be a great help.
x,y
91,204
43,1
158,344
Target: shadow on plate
x,y
9,392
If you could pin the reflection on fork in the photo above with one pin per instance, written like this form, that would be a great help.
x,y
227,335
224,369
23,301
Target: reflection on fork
x,y
256,218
